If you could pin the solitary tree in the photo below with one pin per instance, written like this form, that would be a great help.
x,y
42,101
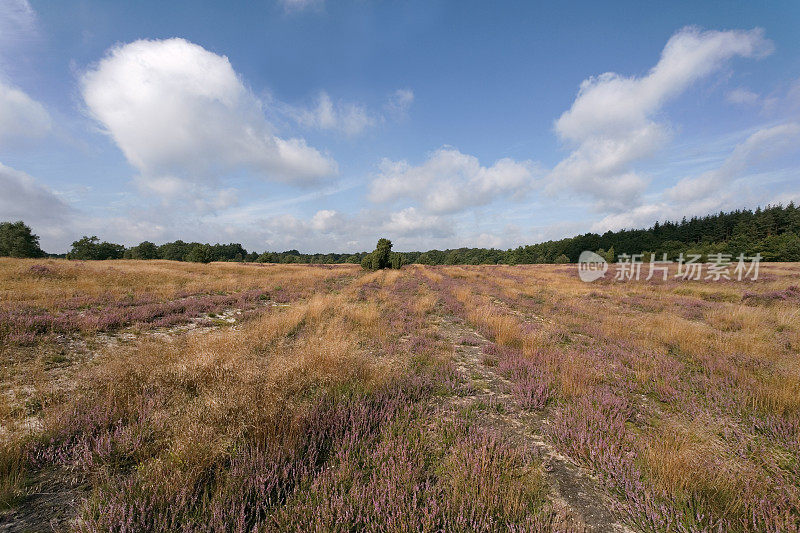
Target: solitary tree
x,y
17,240
381,257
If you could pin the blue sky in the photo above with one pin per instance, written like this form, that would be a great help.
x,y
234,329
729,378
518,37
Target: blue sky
x,y
322,125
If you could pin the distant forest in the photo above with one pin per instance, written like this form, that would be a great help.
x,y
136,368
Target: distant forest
x,y
774,232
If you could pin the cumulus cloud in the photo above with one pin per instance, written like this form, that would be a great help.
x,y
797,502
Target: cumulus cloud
x,y
410,222
326,230
611,124
330,230
21,117
178,111
328,221
450,181
347,118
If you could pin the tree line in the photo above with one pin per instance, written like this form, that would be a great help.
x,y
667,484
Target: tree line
x,y
773,231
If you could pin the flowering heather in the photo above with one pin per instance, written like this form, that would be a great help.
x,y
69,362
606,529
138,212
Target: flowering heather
x,y
453,398
40,271
618,365
791,293
63,297
104,315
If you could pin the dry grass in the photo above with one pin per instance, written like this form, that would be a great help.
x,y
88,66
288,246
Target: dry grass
x,y
683,397
630,359
237,425
19,285
12,474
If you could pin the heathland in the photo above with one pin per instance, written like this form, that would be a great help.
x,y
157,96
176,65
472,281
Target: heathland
x,y
171,396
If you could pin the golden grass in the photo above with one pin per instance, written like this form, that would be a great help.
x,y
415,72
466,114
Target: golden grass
x,y
662,346
664,334
688,458
162,279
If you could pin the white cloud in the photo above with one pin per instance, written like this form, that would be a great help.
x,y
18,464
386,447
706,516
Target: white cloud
x,y
328,221
410,222
201,198
177,110
347,118
399,102
764,145
450,181
326,231
21,117
741,96
487,240
638,217
747,177
17,22
611,123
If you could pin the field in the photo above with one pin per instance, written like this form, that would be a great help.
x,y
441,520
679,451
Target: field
x,y
154,395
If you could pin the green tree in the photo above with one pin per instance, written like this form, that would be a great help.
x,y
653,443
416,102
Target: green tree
x,y
366,262
201,253
17,240
90,248
398,260
380,257
174,251
143,250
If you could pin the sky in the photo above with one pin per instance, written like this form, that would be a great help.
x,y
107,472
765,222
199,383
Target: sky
x,y
321,126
